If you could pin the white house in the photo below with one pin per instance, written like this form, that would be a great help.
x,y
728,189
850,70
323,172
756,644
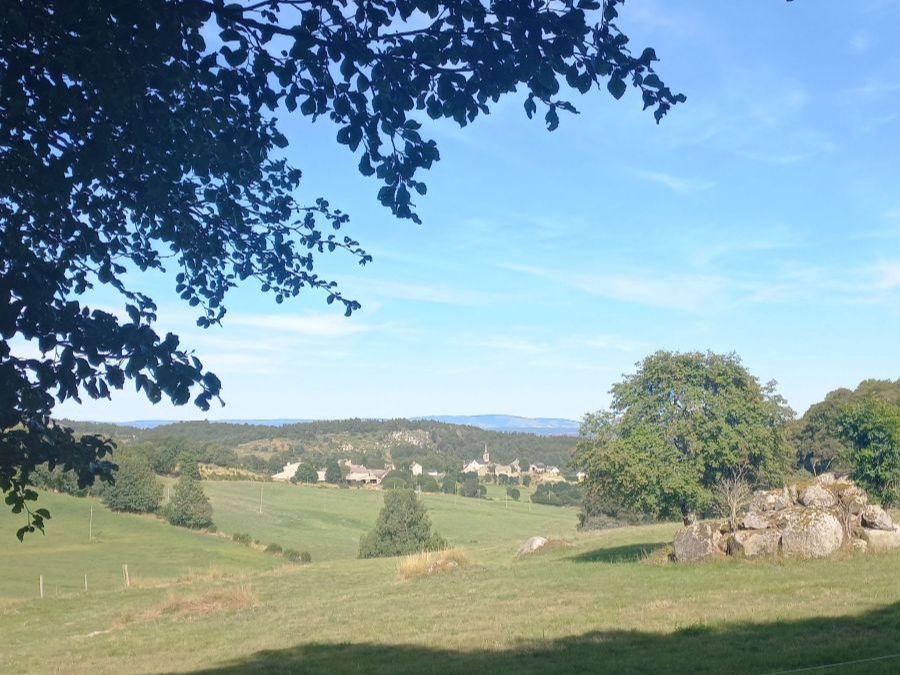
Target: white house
x,y
415,469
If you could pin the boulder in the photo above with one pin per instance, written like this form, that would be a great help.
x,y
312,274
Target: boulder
x,y
876,518
531,545
770,500
881,540
754,543
755,521
859,545
817,496
811,533
826,479
698,542
852,498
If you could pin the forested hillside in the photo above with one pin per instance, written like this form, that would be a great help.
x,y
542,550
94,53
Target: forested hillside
x,y
434,444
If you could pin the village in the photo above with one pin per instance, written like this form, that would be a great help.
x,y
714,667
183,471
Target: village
x,y
357,475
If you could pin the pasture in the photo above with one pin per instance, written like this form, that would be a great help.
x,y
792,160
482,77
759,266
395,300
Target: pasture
x,y
604,602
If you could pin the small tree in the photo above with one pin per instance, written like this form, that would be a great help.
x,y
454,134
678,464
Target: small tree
x,y
732,493
333,472
448,485
189,506
513,493
135,489
526,480
403,527
306,473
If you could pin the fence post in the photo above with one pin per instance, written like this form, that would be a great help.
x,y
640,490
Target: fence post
x,y
41,584
85,583
125,576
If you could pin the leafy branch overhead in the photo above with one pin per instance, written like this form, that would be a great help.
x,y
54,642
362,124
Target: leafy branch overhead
x,y
140,135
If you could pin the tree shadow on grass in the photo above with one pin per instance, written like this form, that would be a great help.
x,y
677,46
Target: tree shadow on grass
x,y
868,640
620,554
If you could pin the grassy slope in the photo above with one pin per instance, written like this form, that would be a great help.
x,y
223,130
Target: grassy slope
x,y
328,522
591,607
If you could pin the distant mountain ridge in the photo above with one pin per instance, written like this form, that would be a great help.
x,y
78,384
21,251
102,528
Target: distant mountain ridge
x,y
541,426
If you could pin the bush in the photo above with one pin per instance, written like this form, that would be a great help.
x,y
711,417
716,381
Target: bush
x,y
472,488
273,548
513,493
333,472
557,494
306,473
189,506
135,489
403,527
394,483
57,480
241,538
448,485
295,556
427,484
526,480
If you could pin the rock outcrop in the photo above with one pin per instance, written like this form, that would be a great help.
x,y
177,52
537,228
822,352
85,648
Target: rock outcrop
x,y
813,519
531,545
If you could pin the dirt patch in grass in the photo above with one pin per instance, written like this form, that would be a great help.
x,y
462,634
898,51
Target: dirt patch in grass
x,y
193,605
432,562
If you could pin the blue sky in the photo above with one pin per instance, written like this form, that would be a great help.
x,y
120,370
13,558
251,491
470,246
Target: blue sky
x,y
762,217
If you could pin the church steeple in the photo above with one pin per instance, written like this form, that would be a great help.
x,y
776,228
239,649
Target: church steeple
x,y
486,456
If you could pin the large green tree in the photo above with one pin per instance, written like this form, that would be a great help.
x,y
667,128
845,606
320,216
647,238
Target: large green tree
x,y
189,506
135,487
872,430
818,438
141,135
677,426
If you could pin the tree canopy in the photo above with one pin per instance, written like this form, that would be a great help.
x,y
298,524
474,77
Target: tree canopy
x,y
872,430
142,135
679,424
403,527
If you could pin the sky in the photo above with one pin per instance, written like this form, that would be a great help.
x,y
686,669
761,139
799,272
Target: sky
x,y
761,217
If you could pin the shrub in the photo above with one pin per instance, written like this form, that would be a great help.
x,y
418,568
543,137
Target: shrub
x,y
432,562
189,506
394,483
273,548
526,480
448,485
241,538
306,473
403,527
57,480
135,489
295,556
472,488
557,494
427,483
513,493
333,472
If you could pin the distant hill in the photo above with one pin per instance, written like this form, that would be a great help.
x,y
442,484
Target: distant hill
x,y
541,426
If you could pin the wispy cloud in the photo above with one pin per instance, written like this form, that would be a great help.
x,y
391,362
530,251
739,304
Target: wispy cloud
x,y
678,184
685,292
309,325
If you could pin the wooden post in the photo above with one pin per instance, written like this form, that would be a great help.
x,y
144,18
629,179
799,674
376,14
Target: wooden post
x,y
41,584
125,576
91,525
260,499
85,583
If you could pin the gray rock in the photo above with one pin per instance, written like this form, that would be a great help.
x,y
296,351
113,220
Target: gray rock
x,y
859,545
769,500
811,533
698,542
881,540
754,543
853,499
876,518
531,545
816,495
755,521
826,479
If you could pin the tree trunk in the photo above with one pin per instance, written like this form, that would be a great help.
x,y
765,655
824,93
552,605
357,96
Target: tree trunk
x,y
687,515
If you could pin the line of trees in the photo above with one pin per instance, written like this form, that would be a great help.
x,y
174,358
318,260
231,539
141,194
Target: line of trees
x,y
688,434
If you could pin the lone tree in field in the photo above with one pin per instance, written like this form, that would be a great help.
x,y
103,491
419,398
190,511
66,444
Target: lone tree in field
x,y
403,527
677,427
142,135
136,487
189,506
333,473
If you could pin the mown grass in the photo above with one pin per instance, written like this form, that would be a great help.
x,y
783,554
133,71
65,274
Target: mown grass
x,y
604,603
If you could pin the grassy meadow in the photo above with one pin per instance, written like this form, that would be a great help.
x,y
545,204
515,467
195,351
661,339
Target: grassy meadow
x,y
603,602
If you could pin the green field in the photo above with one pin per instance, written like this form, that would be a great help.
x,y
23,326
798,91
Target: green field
x,y
606,603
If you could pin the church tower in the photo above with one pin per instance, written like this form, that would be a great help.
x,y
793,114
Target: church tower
x,y
486,456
